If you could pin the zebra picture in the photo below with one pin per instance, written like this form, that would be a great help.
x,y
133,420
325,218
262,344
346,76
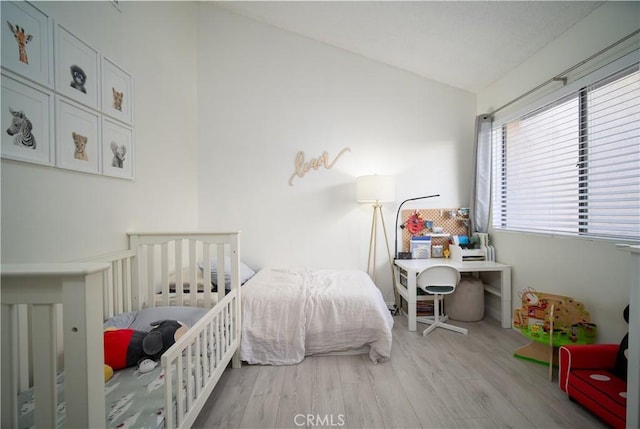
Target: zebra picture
x,y
21,129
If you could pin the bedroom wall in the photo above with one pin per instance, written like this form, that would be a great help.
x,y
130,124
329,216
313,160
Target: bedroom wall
x,y
265,94
593,272
54,214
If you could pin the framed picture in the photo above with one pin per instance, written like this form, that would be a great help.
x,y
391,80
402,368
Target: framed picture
x,y
117,92
77,69
27,42
27,121
77,137
117,150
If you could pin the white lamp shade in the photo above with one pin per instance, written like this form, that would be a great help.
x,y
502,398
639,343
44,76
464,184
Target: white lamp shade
x,y
375,188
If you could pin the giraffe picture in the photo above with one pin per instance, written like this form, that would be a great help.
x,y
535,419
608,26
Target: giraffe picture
x,y
22,39
27,42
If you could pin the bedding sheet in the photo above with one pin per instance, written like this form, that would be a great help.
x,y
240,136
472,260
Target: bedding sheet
x,y
133,399
288,314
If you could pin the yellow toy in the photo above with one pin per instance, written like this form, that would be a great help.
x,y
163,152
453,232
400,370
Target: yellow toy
x,y
108,373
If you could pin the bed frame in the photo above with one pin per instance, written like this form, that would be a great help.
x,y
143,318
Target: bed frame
x,y
53,313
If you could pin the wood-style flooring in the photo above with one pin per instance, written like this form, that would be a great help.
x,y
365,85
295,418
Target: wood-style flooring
x,y
443,380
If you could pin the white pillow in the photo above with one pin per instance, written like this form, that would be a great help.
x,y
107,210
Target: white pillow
x,y
245,272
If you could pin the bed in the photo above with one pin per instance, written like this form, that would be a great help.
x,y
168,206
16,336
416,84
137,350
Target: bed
x,y
288,314
53,317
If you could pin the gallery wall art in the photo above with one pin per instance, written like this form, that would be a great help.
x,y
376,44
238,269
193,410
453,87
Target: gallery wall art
x,y
77,68
117,149
27,120
77,137
64,104
27,42
117,92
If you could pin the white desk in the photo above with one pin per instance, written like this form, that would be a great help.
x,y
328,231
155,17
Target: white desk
x,y
408,269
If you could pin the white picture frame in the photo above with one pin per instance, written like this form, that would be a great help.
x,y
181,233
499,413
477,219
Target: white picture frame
x,y
118,154
117,92
26,110
77,69
78,134
27,42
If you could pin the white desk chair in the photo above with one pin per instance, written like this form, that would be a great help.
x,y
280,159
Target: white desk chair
x,y
439,280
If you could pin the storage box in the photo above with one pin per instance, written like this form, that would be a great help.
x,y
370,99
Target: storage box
x,y
420,247
460,254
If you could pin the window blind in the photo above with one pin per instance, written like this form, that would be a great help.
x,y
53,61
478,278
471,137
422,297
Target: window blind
x,y
572,166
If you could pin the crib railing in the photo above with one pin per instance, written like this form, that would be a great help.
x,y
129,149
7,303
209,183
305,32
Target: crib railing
x,y
43,287
192,371
179,255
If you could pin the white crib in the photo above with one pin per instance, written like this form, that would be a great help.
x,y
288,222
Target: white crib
x,y
53,313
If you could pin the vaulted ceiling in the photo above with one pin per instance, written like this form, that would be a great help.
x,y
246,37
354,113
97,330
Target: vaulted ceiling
x,y
465,44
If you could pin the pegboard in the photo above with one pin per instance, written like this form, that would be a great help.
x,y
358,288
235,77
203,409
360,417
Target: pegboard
x,y
453,221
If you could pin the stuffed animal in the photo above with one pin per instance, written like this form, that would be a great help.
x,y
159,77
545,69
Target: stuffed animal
x,y
623,352
124,348
108,372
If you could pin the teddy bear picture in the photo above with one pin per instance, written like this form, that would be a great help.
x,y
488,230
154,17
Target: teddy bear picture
x,y
80,143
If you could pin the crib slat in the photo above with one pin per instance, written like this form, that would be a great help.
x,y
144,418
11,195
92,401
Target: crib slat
x,y
206,274
200,367
150,281
221,270
168,395
127,287
44,372
193,274
189,388
164,273
9,359
82,331
178,270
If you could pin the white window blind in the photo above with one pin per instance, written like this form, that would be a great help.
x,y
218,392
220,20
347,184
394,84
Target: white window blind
x,y
572,166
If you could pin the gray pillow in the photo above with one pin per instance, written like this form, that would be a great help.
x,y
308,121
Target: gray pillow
x,y
141,320
245,272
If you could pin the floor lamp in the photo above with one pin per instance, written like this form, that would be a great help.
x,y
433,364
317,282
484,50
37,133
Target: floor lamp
x,y
376,190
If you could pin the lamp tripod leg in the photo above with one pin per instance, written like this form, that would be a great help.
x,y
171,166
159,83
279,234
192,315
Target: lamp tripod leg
x,y
396,295
372,246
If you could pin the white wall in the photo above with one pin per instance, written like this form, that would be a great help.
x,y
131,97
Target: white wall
x,y
54,214
265,94
593,272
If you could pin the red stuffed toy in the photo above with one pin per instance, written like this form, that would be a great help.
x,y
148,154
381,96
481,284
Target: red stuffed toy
x,y
124,348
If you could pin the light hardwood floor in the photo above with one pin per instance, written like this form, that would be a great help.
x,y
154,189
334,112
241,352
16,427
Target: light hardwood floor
x,y
443,380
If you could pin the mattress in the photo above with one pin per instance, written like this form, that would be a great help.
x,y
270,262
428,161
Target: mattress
x,y
288,314
132,398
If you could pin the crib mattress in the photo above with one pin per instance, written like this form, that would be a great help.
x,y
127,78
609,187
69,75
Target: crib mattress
x,y
132,400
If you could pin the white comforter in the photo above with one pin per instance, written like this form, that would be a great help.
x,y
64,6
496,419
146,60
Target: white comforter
x,y
288,314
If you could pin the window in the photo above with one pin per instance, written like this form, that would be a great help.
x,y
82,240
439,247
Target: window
x,y
572,166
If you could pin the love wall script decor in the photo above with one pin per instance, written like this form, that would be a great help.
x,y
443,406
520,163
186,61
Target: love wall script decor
x,y
302,167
